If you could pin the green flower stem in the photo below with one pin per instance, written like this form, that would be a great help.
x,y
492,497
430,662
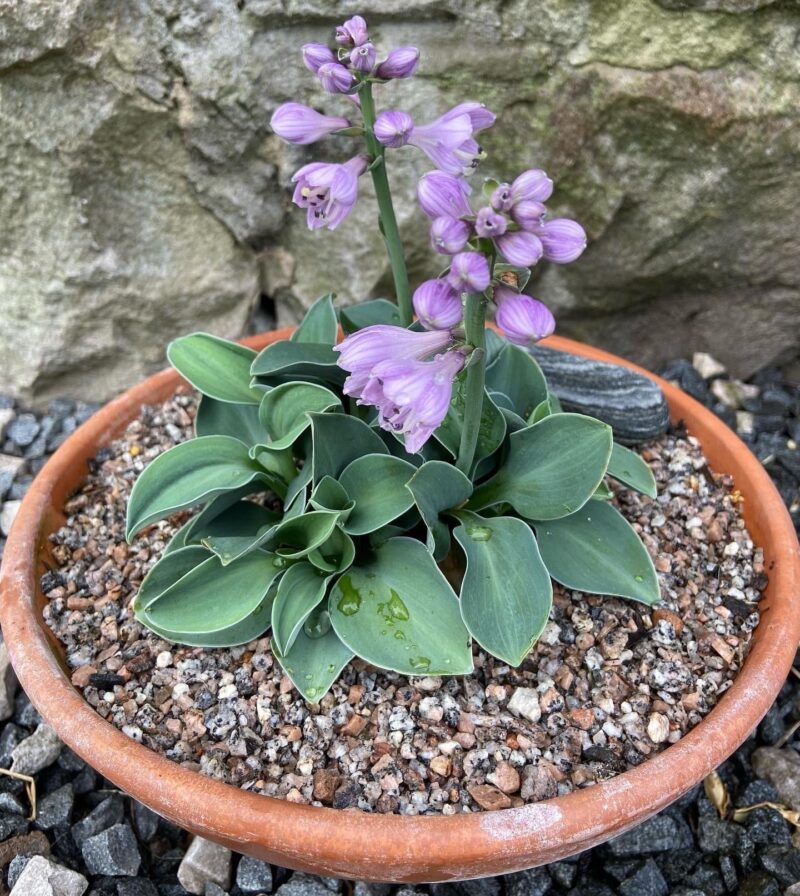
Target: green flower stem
x,y
474,327
388,221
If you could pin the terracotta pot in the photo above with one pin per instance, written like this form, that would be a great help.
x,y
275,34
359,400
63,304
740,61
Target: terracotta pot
x,y
380,847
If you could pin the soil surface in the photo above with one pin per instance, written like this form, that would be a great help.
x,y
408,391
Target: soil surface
x,y
609,683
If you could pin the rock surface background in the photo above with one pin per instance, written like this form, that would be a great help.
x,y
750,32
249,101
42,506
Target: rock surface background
x,y
143,195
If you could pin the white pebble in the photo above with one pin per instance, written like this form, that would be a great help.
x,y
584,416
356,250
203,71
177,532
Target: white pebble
x,y
164,659
525,702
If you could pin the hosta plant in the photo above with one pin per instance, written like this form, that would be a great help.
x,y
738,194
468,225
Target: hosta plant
x,y
415,486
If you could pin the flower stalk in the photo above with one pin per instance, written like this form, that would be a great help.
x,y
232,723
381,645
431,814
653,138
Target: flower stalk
x,y
474,328
388,221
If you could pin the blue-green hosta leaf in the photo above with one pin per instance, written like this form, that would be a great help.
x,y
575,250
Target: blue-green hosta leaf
x,y
217,367
166,572
319,324
298,536
239,530
515,373
542,410
284,411
300,590
368,314
603,493
397,611
190,473
506,594
597,551
552,468
294,501
492,427
298,360
338,440
212,599
495,344
376,483
315,660
223,418
330,494
631,469
437,487
193,530
336,554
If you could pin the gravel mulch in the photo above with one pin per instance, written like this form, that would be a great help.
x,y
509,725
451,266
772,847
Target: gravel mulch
x,y
687,850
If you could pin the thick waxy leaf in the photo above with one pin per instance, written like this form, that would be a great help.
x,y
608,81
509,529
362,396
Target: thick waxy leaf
x,y
515,373
191,473
376,482
495,344
336,554
315,660
299,360
218,368
338,440
298,536
330,494
506,594
193,530
296,492
319,324
284,411
368,314
596,550
552,468
167,571
629,468
603,493
222,418
212,598
437,487
397,611
239,530
492,427
299,591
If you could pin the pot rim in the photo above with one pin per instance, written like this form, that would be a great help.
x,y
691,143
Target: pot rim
x,y
353,843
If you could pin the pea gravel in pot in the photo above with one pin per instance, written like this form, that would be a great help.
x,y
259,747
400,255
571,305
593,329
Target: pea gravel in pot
x,y
390,847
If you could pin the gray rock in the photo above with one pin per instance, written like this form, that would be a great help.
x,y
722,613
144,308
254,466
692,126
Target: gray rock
x,y
661,833
647,881
306,885
483,886
782,862
367,888
112,852
137,886
205,862
56,808
759,884
9,803
36,752
15,867
7,516
145,821
630,403
43,877
105,815
10,737
12,825
23,430
6,416
9,467
535,882
781,767
253,876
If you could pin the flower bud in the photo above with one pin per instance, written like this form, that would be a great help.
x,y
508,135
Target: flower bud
x,y
449,235
501,198
300,124
401,62
490,223
315,55
469,272
533,184
520,248
335,78
393,128
352,33
443,194
563,240
437,305
528,214
363,57
522,319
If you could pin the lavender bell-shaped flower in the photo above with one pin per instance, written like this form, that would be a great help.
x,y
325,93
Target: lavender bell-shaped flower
x,y
523,320
300,124
363,57
328,191
402,62
352,33
440,193
520,247
315,55
563,240
532,184
335,78
449,235
489,223
469,272
528,214
437,305
393,128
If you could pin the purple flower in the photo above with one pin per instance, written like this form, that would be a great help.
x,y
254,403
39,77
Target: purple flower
x,y
469,272
328,191
413,397
480,117
335,78
393,128
443,194
437,305
520,248
501,198
533,185
447,142
363,57
352,33
449,235
522,319
401,62
315,55
300,124
490,223
528,214
563,240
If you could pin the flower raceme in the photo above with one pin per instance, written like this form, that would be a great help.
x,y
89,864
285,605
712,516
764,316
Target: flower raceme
x,y
328,191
